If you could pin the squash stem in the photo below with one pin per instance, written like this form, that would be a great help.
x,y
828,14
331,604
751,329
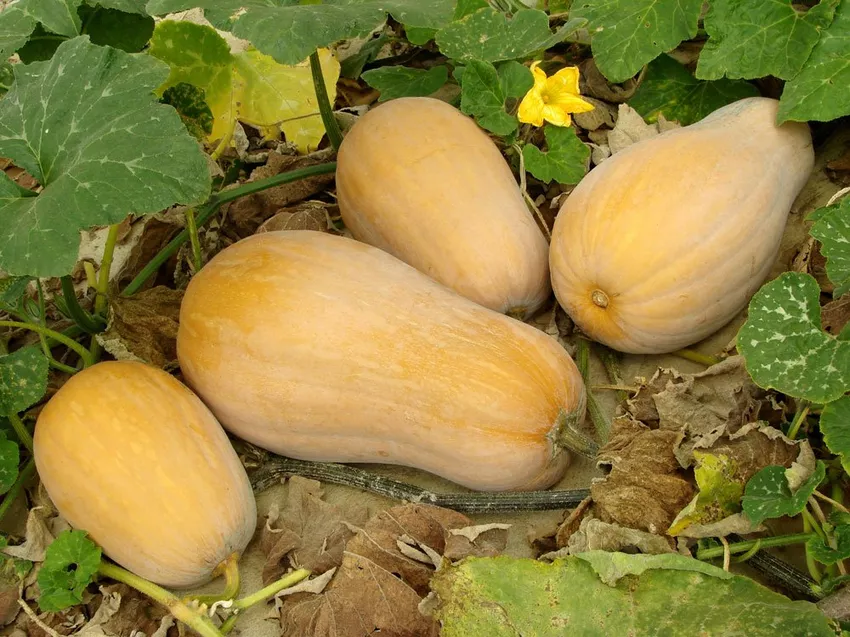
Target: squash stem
x,y
56,336
193,618
325,106
23,433
267,592
209,209
232,583
82,318
696,357
13,493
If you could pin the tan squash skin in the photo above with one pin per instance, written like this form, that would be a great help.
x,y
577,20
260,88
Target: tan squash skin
x,y
420,180
323,348
664,243
133,457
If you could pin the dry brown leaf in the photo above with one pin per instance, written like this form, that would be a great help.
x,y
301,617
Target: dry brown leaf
x,y
596,85
484,540
307,533
377,589
645,488
596,535
601,115
38,537
9,607
144,327
572,522
246,214
836,314
309,215
135,613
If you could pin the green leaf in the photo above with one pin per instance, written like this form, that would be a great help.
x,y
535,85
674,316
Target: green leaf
x,y
754,39
835,427
352,66
290,32
516,79
70,565
86,125
505,597
420,36
832,229
483,97
57,16
12,289
190,103
128,31
401,81
826,554
627,34
489,36
819,92
10,458
719,494
128,6
7,77
670,89
16,25
784,346
23,379
768,495
565,161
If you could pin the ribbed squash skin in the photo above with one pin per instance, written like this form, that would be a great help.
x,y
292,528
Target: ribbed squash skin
x,y
420,180
133,457
665,242
323,348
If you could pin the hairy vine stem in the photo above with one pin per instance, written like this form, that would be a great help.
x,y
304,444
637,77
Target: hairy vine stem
x,y
279,467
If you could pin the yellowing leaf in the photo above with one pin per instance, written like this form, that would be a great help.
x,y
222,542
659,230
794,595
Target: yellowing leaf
x,y
279,97
249,87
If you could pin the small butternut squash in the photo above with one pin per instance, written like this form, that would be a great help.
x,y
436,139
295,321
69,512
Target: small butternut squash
x,y
133,457
323,348
665,242
420,180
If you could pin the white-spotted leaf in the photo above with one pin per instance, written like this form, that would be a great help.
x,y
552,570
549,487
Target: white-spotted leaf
x,y
626,34
832,229
87,126
784,346
10,458
768,495
835,427
23,379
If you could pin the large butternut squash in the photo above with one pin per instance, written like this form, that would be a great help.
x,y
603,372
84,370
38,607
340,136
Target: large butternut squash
x,y
133,457
666,241
323,348
420,180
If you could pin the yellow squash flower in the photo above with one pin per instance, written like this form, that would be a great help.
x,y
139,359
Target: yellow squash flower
x,y
552,98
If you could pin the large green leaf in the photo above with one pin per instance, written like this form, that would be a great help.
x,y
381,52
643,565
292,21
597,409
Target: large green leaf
x,y
400,81
832,229
626,34
820,92
784,346
23,379
669,89
86,125
754,39
16,25
835,427
672,596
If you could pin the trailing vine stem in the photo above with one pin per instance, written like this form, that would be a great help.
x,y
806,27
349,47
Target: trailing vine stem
x,y
20,429
84,354
82,318
278,467
765,542
192,227
600,423
209,209
325,106
193,618
13,493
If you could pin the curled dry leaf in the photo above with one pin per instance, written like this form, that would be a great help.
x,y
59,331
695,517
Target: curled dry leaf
x,y
593,535
595,85
836,314
378,588
308,215
306,532
38,537
601,115
484,540
646,487
246,214
144,327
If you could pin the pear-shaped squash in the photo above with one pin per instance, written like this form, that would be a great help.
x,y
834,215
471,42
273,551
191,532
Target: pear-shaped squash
x,y
322,348
133,457
665,242
420,180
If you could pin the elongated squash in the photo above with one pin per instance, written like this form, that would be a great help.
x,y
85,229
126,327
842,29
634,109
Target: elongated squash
x,y
133,457
323,348
665,242
420,180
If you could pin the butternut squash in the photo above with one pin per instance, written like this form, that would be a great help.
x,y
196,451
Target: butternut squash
x,y
322,348
420,180
133,457
665,242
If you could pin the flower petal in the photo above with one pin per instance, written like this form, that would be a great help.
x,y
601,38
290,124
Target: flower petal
x,y
531,109
571,103
555,115
539,77
566,79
